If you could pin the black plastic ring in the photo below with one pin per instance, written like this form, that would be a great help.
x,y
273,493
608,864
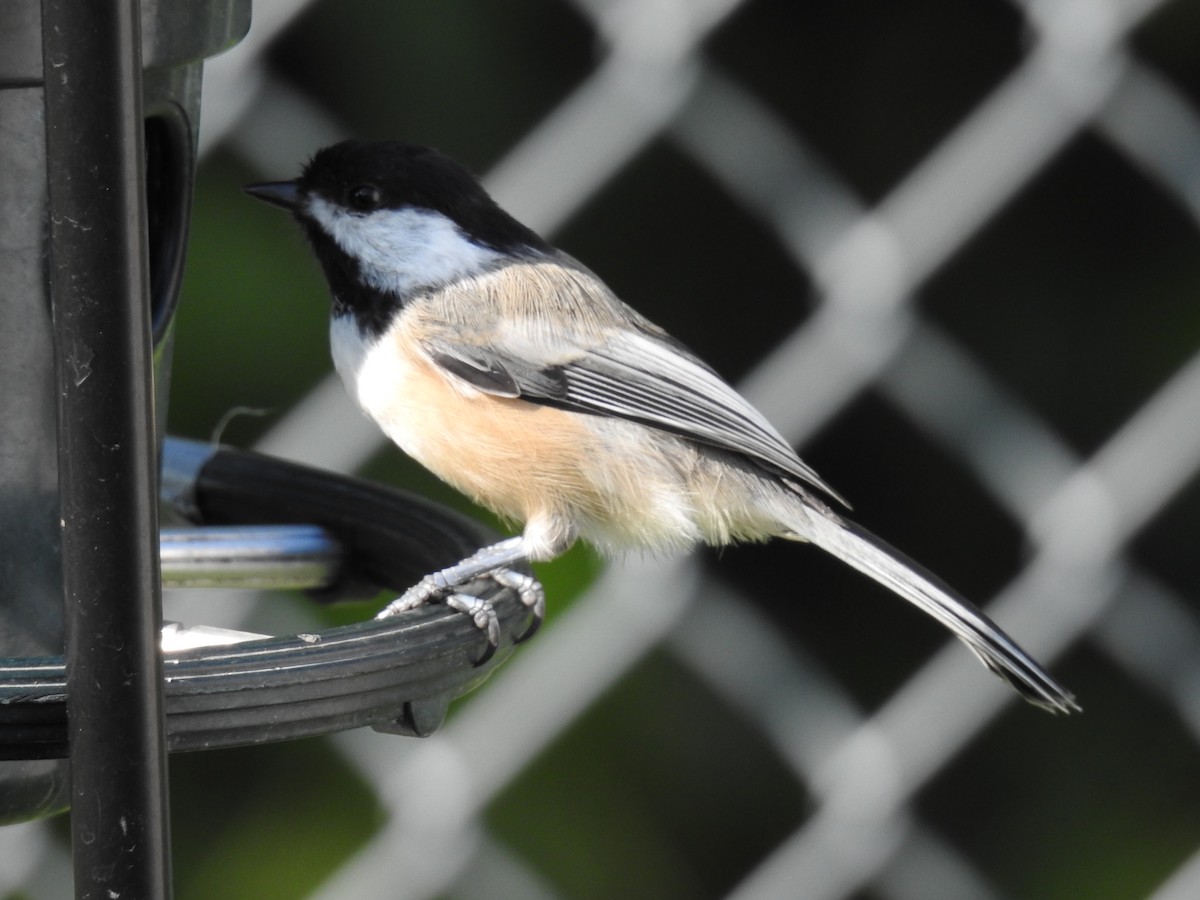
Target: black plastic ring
x,y
396,674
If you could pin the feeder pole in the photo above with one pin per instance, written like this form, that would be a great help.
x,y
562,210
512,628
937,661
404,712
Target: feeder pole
x,y
99,284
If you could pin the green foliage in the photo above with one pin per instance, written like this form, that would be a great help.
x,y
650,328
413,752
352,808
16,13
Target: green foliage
x,y
253,317
271,821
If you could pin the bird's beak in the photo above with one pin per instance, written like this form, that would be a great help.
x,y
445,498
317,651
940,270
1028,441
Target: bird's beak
x,y
285,194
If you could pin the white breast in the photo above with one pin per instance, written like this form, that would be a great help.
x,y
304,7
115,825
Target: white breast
x,y
348,349
383,382
373,373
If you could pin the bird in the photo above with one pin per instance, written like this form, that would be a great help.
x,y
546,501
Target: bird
x,y
512,372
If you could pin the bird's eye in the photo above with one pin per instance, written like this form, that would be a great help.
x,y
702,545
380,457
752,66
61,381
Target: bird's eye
x,y
365,197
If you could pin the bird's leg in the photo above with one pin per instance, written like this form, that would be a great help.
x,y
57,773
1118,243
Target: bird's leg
x,y
494,562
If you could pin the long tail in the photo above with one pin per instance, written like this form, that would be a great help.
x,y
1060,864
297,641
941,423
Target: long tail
x,y
859,548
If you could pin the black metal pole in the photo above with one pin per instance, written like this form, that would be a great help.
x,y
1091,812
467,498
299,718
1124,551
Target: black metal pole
x,y
99,293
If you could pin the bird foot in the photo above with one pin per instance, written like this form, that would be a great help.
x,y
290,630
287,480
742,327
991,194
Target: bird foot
x,y
444,587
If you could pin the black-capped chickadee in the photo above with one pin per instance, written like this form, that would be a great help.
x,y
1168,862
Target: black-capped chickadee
x,y
513,373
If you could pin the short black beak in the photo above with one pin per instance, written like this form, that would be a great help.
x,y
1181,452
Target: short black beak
x,y
285,194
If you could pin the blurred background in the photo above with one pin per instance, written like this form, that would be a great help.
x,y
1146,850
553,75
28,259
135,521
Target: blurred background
x,y
952,251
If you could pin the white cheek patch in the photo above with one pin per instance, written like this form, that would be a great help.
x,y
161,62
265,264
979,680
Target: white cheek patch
x,y
401,250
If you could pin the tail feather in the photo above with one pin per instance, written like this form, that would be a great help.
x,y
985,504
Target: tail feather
x,y
857,547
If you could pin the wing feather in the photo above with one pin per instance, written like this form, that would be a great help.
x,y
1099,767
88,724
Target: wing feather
x,y
637,375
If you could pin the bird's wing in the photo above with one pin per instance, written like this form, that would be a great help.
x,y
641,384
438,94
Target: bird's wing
x,y
632,373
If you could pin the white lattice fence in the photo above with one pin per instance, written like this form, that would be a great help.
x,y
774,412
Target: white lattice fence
x,y
864,832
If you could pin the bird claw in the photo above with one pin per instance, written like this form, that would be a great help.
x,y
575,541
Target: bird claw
x,y
483,614
481,611
532,594
419,594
